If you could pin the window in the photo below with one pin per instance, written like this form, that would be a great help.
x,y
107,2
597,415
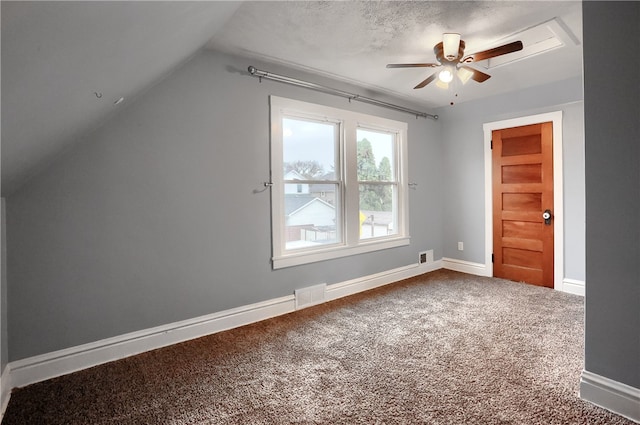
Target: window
x,y
339,183
377,183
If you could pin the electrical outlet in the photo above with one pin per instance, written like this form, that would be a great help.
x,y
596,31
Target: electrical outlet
x,y
460,246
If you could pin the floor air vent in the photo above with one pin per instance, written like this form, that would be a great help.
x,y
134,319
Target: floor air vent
x,y
310,295
425,257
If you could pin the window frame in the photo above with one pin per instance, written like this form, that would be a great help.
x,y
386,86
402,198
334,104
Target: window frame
x,y
347,200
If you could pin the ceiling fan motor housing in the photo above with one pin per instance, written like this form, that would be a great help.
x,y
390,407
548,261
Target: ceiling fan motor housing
x,y
438,49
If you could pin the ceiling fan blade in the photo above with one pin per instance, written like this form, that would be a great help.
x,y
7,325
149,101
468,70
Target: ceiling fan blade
x,y
496,51
478,76
426,81
412,65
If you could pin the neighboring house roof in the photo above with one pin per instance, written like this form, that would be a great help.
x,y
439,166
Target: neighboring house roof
x,y
293,175
294,203
309,211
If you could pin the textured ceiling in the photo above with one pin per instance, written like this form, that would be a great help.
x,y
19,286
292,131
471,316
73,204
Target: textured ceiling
x,y
354,40
64,64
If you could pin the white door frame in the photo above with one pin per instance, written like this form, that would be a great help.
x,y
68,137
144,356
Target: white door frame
x,y
558,198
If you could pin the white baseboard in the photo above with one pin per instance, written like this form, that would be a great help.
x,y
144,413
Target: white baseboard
x,y
46,366
50,365
5,390
477,269
573,286
353,286
615,396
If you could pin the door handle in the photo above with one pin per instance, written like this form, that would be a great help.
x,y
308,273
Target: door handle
x,y
547,216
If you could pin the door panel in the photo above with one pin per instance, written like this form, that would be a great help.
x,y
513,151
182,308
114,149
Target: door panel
x,y
522,161
522,173
525,144
521,201
526,230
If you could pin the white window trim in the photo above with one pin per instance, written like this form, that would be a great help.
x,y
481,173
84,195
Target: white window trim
x,y
349,122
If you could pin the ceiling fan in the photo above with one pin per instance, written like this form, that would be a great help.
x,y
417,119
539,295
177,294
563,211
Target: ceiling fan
x,y
450,55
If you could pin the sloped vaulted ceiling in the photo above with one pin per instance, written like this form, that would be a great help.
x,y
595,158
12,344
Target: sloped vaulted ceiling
x,y
64,64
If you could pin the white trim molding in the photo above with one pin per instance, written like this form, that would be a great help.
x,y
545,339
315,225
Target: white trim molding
x,y
615,396
353,286
558,178
477,269
5,390
573,286
50,365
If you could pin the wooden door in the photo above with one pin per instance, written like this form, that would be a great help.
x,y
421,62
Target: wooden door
x,y
522,161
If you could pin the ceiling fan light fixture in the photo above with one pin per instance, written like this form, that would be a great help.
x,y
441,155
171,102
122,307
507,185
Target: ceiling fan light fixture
x,y
446,75
451,44
464,75
442,85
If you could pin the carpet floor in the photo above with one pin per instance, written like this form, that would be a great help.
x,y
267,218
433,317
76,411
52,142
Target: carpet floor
x,y
441,348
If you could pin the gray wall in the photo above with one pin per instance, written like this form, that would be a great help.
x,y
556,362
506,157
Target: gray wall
x,y
153,218
4,340
612,127
463,163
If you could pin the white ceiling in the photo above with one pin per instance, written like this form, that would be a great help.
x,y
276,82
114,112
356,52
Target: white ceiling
x,y
58,57
354,40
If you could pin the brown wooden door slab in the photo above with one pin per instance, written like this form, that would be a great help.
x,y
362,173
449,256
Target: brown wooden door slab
x,y
522,161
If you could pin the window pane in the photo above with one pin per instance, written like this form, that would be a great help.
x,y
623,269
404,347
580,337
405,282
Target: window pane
x,y
309,150
378,210
376,156
311,216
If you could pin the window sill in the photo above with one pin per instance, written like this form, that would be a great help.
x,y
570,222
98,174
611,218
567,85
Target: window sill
x,y
297,259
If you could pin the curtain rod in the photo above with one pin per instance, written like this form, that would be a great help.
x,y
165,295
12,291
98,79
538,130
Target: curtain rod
x,y
329,90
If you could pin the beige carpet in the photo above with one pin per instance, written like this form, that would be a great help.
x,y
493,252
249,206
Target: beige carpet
x,y
442,348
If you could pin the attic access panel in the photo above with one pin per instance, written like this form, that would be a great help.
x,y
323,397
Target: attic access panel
x,y
539,39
